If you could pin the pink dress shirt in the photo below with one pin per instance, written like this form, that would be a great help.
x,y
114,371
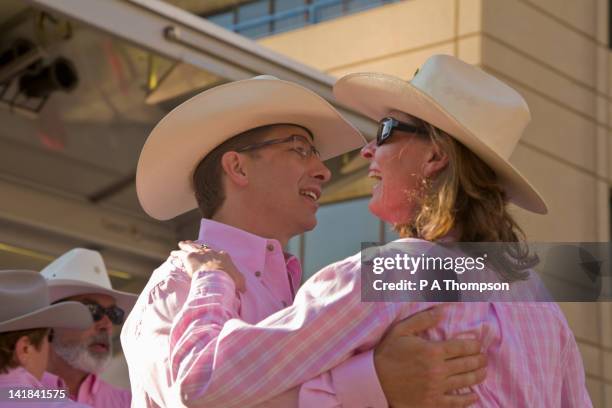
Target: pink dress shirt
x,y
219,360
19,377
93,391
271,279
99,394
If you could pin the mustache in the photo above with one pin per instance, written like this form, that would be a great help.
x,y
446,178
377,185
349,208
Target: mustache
x,y
103,338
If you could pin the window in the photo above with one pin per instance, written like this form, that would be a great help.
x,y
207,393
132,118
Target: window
x,y
266,17
225,20
341,229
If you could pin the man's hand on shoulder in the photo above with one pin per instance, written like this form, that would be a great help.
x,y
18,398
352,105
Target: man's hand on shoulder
x,y
414,372
198,257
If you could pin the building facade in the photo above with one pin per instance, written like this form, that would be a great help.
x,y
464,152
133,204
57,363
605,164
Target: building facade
x,y
556,54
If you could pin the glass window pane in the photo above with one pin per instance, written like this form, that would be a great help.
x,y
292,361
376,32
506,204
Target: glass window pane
x,y
223,19
284,5
328,12
293,246
340,231
289,15
256,32
289,23
253,10
358,5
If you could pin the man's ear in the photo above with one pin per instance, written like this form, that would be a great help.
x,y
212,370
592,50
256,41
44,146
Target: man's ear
x,y
437,160
234,166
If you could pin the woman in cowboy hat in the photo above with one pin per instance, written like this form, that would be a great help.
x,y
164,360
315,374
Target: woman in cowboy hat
x,y
441,161
26,319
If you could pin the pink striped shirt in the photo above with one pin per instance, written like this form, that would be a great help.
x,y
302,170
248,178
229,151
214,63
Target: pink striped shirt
x,y
271,277
93,391
219,360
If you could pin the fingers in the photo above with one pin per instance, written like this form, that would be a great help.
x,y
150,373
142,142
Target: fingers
x,y
458,401
203,255
190,246
460,348
418,322
465,380
466,364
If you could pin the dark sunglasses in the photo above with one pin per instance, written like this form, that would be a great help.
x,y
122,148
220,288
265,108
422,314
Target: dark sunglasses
x,y
115,314
387,125
300,145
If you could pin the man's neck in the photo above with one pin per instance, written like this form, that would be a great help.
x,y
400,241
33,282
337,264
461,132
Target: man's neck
x,y
73,377
251,224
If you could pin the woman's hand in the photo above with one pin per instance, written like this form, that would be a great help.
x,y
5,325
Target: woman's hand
x,y
198,257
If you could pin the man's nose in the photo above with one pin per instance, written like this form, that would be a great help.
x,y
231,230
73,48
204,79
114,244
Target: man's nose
x,y
321,172
104,323
367,151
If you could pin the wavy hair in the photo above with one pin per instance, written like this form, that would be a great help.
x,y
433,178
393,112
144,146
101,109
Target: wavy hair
x,y
468,200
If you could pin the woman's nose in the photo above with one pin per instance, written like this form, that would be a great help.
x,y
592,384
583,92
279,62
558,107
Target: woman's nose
x,y
367,151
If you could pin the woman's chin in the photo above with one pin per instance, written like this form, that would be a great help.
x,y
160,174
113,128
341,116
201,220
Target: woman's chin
x,y
377,210
391,216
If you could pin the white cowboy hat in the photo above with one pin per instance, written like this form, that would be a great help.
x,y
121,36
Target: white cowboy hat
x,y
24,297
477,109
190,131
82,271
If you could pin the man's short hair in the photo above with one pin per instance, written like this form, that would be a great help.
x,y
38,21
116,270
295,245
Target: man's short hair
x,y
207,177
8,341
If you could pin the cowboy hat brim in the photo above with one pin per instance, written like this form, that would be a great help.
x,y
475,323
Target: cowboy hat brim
x,y
67,315
64,288
190,131
375,95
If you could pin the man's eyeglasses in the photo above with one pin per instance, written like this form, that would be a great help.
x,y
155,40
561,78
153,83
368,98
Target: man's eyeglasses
x,y
115,314
387,125
300,145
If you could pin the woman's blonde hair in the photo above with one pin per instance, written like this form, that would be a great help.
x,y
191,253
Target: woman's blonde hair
x,y
467,200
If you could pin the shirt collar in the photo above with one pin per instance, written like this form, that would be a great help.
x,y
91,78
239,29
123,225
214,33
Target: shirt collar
x,y
52,381
88,387
21,376
247,249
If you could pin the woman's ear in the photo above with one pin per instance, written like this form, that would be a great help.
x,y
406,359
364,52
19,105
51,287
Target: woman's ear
x,y
437,160
234,167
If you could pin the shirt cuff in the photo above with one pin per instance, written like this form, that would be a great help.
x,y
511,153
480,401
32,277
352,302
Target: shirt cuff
x,y
215,286
356,382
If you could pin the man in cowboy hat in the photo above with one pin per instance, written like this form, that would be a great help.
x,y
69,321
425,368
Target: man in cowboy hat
x,y
534,355
26,319
248,155
79,356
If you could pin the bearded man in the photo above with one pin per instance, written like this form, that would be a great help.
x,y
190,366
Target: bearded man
x,y
78,356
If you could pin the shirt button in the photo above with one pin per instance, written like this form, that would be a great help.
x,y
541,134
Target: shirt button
x,y
284,303
270,247
258,273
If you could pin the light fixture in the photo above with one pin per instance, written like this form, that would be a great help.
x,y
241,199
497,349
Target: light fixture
x,y
26,82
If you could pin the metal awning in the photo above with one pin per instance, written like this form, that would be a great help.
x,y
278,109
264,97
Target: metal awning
x,y
66,177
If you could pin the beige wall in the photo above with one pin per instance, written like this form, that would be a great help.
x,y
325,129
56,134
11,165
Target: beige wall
x,y
555,53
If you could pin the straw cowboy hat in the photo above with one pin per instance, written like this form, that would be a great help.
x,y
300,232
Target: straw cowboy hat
x,y
24,297
82,271
190,131
481,112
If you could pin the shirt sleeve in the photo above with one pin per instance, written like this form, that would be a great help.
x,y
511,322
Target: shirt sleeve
x,y
147,331
352,383
573,388
218,360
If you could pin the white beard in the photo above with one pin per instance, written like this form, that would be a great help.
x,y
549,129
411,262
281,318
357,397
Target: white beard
x,y
80,357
